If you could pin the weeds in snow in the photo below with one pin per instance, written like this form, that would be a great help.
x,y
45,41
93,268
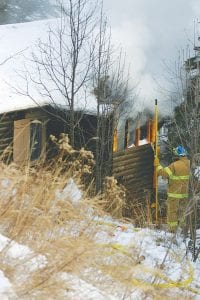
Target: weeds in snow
x,y
63,235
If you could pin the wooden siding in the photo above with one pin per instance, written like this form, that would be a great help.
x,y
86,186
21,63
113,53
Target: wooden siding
x,y
134,169
7,130
6,135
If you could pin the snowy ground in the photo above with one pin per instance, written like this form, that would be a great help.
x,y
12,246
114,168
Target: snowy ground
x,y
157,259
124,239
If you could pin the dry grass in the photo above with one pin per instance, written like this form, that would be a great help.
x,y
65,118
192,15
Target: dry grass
x,y
31,215
60,233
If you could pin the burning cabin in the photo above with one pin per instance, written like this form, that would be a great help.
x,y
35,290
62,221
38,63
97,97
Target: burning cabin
x,y
29,111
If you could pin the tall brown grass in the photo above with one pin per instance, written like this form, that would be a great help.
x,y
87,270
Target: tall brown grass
x,y
61,234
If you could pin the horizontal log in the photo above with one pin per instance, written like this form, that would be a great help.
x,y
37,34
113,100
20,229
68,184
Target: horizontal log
x,y
135,176
6,121
139,174
134,172
136,149
5,145
138,188
134,188
6,140
135,199
5,130
143,179
6,117
137,171
133,155
132,163
138,191
136,181
5,137
141,191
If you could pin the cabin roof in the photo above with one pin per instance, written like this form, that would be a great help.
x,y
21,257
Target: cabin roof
x,y
18,42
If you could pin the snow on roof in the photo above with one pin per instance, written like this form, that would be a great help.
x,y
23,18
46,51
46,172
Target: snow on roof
x,y
18,42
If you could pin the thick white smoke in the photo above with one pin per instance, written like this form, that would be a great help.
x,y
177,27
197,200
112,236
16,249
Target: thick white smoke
x,y
152,33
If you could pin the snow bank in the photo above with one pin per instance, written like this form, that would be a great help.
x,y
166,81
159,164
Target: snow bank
x,y
71,192
157,259
82,290
6,290
17,252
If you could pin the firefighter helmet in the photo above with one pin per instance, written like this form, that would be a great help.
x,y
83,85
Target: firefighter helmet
x,y
180,151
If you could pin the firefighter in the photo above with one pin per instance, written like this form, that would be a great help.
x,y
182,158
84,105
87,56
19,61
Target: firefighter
x,y
177,174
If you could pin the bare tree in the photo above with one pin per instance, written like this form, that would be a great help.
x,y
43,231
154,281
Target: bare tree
x,y
110,87
63,62
77,53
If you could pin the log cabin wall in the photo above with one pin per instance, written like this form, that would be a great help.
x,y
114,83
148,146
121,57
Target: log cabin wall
x,y
85,135
27,133
133,168
7,130
6,135
55,122
85,130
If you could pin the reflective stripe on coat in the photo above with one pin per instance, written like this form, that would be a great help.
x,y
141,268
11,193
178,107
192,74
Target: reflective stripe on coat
x,y
177,174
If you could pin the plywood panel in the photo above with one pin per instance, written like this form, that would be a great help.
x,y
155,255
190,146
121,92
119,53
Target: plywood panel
x,y
21,142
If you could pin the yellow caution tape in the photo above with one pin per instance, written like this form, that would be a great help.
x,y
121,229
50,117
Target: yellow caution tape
x,y
121,249
122,227
169,283
105,223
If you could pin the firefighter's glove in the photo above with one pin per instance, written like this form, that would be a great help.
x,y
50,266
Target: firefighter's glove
x,y
156,162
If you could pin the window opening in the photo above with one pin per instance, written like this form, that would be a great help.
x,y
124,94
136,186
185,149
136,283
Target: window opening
x,y
35,139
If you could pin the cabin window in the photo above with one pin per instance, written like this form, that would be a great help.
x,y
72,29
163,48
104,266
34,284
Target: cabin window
x,y
35,139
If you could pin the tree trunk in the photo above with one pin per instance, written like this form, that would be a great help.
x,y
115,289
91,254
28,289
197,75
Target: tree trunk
x,y
71,130
98,140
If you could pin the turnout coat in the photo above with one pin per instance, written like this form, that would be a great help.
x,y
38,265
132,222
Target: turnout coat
x,y
177,174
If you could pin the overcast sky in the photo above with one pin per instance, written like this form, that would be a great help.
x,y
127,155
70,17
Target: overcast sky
x,y
152,32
